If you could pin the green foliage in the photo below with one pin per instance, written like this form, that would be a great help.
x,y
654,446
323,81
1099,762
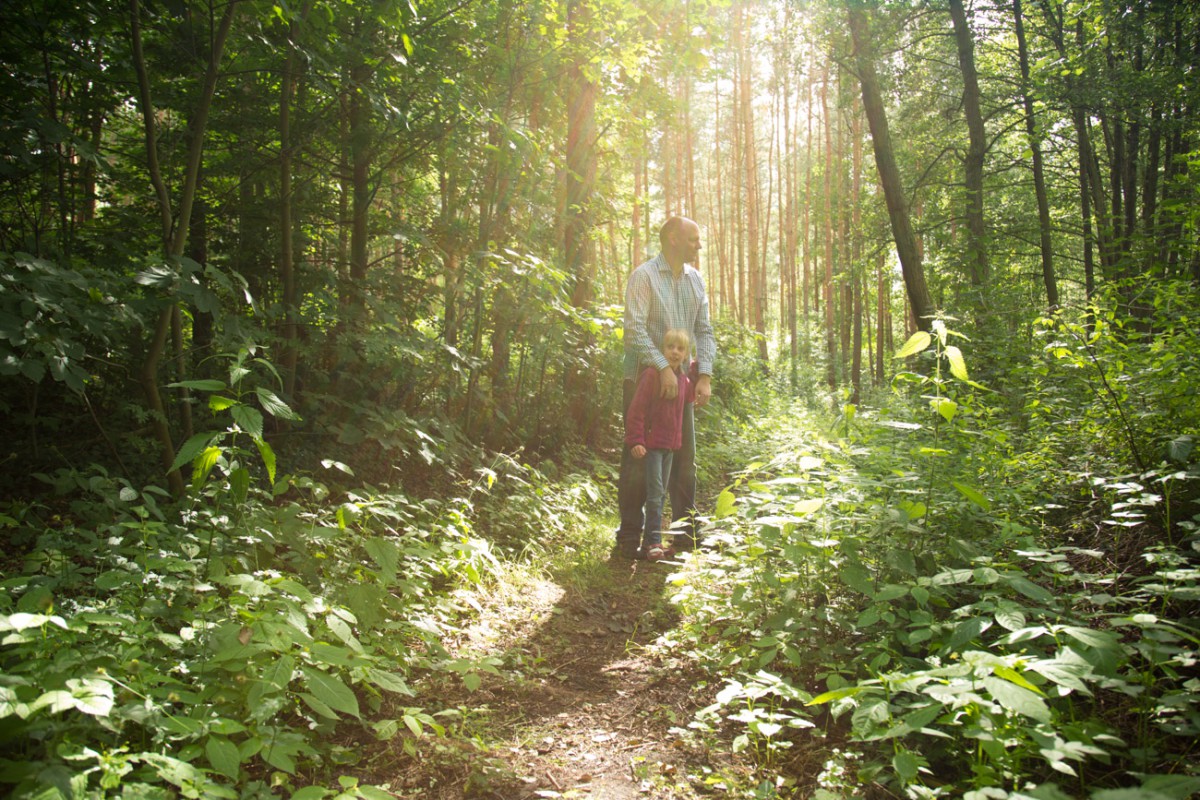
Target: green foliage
x,y
51,316
888,587
210,449
202,648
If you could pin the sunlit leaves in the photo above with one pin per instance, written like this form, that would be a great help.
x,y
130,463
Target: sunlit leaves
x,y
916,343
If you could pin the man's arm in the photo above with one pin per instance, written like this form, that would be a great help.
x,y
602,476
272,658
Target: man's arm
x,y
706,346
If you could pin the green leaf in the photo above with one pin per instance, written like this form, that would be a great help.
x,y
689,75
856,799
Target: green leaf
x,y
944,406
91,696
224,756
906,765
218,403
1028,588
1100,640
958,366
1011,675
205,385
1010,619
316,705
1065,673
192,448
835,694
389,681
1177,787
1016,699
311,793
248,419
809,506
203,465
273,405
857,577
1129,794
239,484
472,681
915,344
965,632
268,457
172,770
725,501
385,553
974,495
330,690
373,793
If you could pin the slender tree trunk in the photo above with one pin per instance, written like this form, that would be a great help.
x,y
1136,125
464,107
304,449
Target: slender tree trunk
x,y
883,322
287,257
977,258
830,323
175,226
919,298
1039,172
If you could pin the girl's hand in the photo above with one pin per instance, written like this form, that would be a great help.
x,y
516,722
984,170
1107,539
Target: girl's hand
x,y
638,451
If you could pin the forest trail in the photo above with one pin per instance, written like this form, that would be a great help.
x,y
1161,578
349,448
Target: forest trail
x,y
581,707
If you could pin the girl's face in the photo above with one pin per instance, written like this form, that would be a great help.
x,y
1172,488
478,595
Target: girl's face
x,y
675,351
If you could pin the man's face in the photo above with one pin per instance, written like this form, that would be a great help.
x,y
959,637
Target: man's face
x,y
688,241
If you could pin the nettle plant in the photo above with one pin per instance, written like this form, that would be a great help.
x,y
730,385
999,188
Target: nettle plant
x,y
935,626
210,648
234,400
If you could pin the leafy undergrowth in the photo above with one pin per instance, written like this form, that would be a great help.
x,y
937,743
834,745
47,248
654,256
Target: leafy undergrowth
x,y
915,593
946,594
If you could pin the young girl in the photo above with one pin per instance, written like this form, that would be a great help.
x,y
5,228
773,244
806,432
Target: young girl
x,y
654,431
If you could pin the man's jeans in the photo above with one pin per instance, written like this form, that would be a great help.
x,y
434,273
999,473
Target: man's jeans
x,y
658,477
631,484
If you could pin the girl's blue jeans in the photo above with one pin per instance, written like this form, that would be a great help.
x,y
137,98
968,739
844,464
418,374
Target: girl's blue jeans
x,y
658,478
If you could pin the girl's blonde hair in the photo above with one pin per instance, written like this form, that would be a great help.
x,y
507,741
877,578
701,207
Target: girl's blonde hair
x,y
677,335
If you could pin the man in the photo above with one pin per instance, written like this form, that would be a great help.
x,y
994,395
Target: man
x,y
665,292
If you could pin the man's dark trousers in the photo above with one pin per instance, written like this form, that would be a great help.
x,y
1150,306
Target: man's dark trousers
x,y
631,485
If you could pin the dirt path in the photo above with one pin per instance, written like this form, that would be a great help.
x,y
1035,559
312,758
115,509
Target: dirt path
x,y
580,709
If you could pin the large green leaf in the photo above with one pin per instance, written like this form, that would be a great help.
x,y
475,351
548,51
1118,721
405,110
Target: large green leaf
x,y
915,344
273,405
192,448
958,365
203,385
974,495
248,419
268,457
224,756
330,690
725,502
1017,699
203,465
906,765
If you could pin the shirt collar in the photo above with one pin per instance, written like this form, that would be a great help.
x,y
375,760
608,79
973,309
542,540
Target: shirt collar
x,y
665,266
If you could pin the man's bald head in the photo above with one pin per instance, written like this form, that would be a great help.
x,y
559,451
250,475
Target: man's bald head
x,y
680,240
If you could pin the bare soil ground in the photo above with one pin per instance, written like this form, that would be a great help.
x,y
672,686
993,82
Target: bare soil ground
x,y
581,708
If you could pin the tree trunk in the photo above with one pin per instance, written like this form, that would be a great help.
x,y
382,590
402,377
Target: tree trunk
x,y
175,226
889,173
830,322
977,258
1039,172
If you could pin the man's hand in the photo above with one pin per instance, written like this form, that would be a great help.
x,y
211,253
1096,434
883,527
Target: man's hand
x,y
638,451
668,383
703,390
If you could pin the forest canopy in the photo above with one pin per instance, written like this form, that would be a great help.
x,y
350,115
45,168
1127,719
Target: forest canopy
x,y
265,262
